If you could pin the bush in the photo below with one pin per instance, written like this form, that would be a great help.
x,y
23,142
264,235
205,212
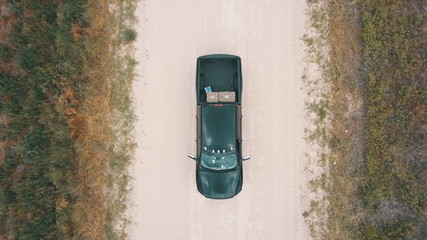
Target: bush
x,y
29,58
129,35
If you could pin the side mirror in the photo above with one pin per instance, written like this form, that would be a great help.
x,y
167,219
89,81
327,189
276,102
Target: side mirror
x,y
192,157
246,158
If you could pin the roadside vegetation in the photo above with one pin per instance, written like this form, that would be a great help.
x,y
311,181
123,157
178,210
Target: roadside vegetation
x,y
367,102
66,118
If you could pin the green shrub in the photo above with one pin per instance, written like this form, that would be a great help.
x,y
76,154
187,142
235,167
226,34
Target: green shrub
x,y
129,35
29,58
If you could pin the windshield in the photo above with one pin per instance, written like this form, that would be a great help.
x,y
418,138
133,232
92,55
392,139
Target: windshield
x,y
218,161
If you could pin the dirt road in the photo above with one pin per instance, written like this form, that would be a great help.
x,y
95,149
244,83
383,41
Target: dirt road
x,y
265,34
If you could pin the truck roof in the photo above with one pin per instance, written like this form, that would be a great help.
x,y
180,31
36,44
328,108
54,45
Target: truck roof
x,y
219,127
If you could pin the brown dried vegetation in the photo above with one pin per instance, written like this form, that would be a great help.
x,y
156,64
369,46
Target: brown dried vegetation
x,y
371,120
63,166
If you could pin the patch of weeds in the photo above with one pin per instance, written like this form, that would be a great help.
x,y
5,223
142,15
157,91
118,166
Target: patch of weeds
x,y
367,104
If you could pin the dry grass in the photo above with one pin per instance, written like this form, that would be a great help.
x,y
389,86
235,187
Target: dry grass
x,y
92,127
350,107
74,118
87,117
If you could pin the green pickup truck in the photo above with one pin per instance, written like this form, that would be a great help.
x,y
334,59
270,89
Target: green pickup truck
x,y
219,173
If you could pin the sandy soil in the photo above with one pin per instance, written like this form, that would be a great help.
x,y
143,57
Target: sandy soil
x,y
265,34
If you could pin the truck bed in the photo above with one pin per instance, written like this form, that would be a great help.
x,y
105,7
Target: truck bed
x,y
221,72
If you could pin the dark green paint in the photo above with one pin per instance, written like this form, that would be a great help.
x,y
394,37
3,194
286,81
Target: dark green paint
x,y
221,72
219,173
220,184
219,127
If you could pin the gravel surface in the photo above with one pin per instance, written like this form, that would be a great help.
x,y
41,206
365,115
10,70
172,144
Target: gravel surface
x,y
266,35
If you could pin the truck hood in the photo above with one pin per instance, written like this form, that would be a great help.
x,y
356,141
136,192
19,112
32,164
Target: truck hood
x,y
218,184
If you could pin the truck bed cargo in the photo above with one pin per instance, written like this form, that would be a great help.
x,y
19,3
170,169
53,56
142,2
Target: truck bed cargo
x,y
221,72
